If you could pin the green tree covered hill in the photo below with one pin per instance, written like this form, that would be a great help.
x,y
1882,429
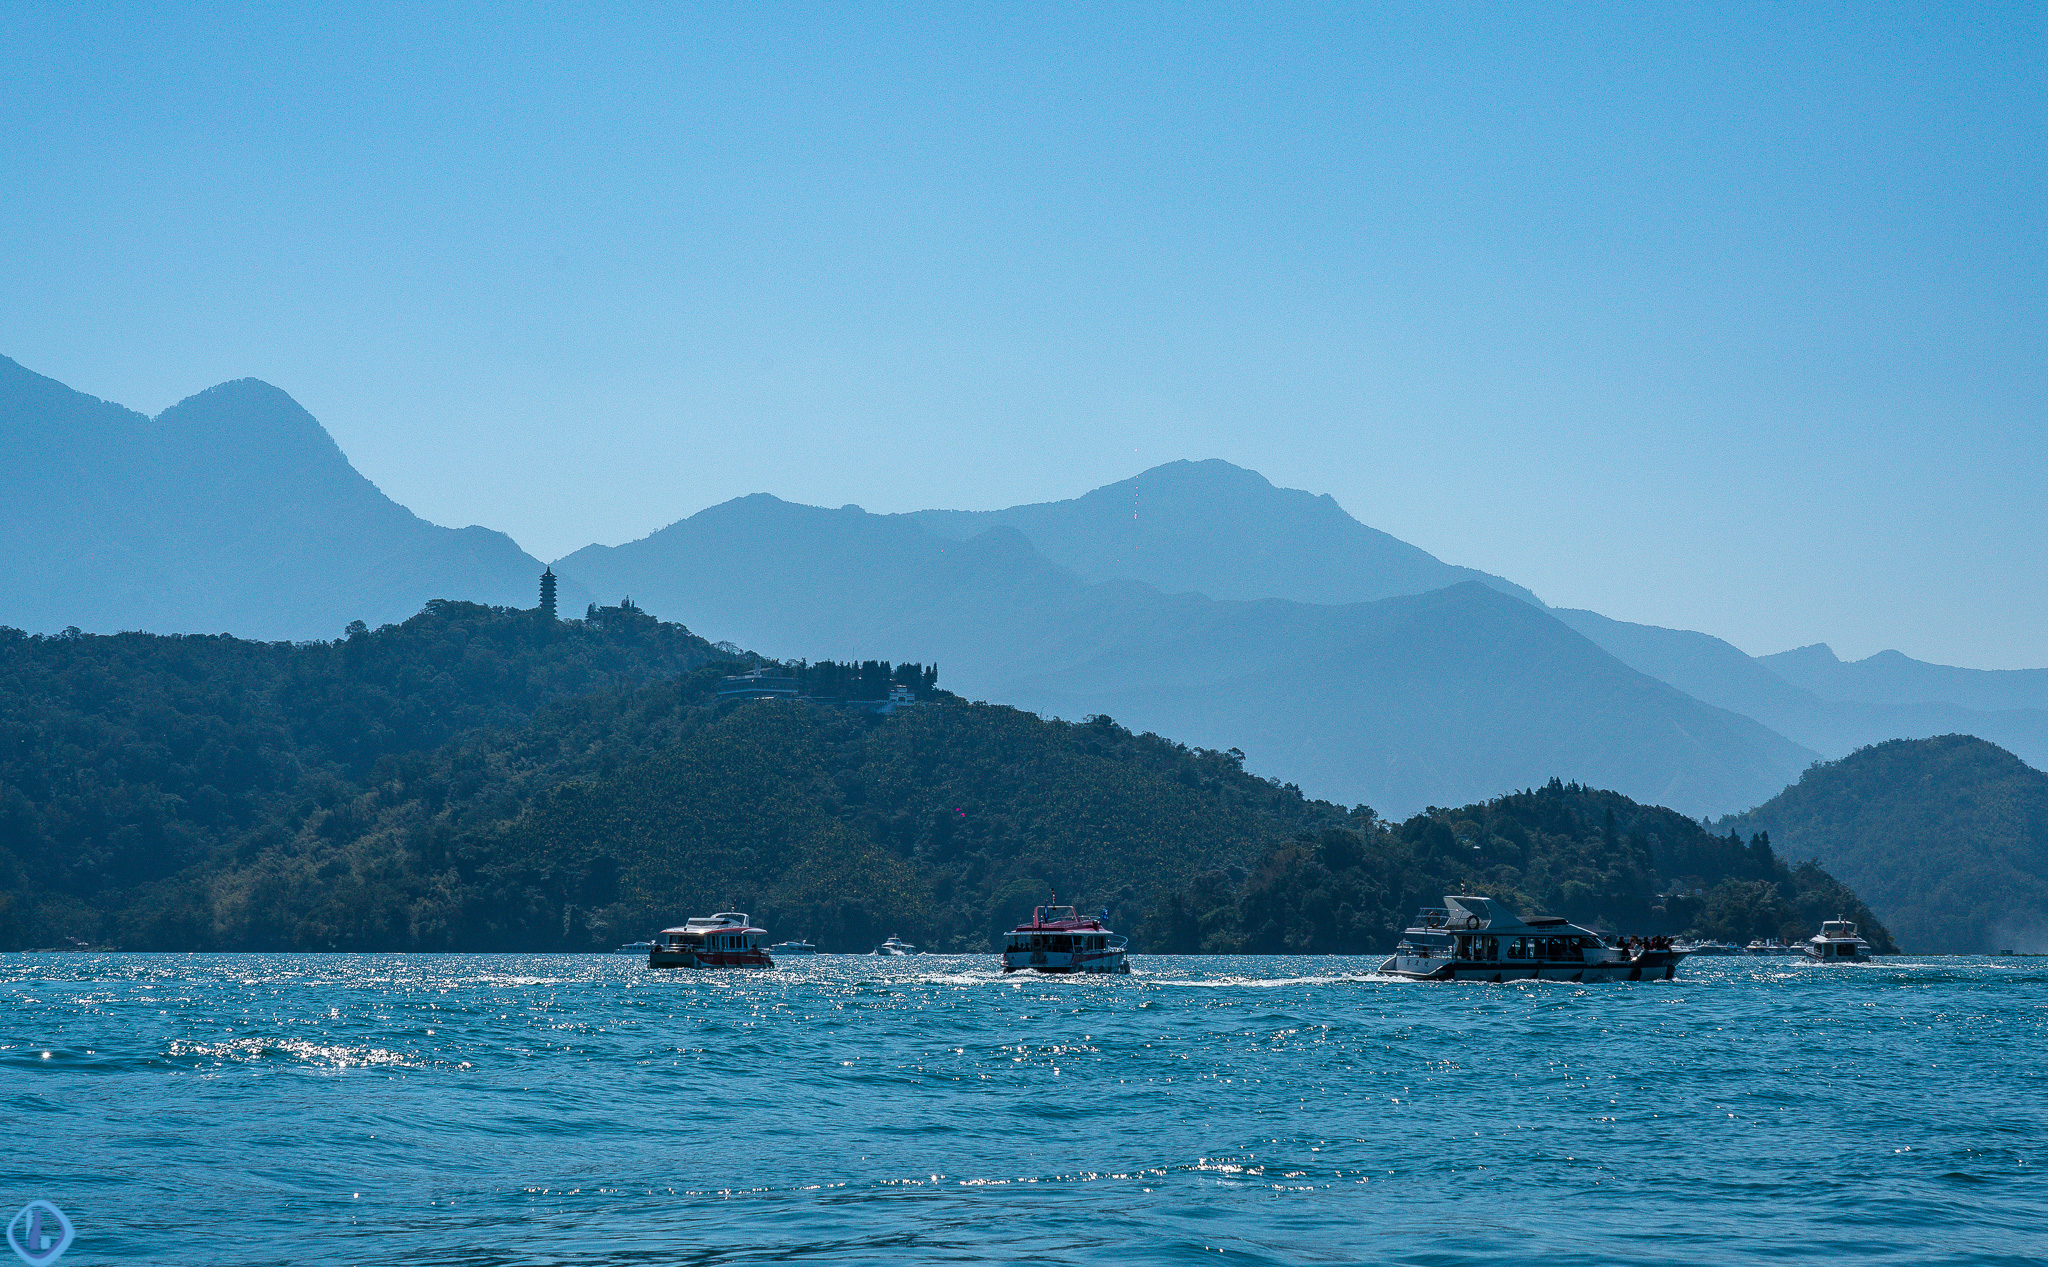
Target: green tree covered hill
x,y
1595,857
482,778
1948,837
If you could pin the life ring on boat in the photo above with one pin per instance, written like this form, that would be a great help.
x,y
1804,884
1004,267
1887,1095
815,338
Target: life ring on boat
x,y
1471,921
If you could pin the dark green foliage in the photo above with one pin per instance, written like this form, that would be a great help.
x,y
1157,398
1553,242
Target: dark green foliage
x,y
482,778
1947,836
945,824
1595,857
130,759
866,680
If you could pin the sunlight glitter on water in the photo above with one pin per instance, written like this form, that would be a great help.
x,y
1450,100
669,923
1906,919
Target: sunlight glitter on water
x,y
488,1109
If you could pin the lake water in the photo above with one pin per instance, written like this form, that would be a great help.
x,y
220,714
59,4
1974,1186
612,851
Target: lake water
x,y
502,1109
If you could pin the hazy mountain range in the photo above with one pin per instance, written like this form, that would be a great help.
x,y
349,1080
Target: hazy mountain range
x,y
233,511
1425,698
1194,599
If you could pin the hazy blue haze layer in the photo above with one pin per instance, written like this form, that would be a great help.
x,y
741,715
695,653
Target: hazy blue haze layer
x,y
539,1109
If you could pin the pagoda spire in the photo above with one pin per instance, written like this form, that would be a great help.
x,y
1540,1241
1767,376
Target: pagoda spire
x,y
547,593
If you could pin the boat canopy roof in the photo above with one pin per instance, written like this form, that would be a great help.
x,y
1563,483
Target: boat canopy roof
x,y
1059,919
723,922
1466,912
1491,915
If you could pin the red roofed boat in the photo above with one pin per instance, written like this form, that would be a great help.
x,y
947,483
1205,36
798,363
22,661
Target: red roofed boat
x,y
724,940
1058,940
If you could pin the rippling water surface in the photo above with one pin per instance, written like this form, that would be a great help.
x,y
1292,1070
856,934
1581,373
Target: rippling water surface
x,y
539,1109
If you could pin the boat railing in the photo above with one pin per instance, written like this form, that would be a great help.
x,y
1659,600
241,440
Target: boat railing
x,y
1434,917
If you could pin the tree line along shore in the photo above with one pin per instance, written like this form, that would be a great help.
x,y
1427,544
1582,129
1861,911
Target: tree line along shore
x,y
485,778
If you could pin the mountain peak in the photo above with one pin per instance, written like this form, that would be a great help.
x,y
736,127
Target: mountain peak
x,y
1211,527
1204,471
233,509
1812,655
254,420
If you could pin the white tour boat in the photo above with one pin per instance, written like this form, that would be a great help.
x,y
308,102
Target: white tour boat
x,y
1058,940
1478,939
1836,942
896,946
724,940
636,947
792,948
1771,947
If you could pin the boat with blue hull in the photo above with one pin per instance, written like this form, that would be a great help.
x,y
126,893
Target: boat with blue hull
x,y
1472,938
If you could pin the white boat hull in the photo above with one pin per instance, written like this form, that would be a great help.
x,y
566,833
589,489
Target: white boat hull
x,y
1062,962
1651,965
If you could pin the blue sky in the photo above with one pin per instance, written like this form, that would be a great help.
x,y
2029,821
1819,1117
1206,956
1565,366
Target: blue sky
x,y
1724,319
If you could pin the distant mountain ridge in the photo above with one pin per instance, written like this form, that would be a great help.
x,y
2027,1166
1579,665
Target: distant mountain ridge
x,y
1196,598
1213,528
1890,677
1832,713
1433,698
232,510
1182,528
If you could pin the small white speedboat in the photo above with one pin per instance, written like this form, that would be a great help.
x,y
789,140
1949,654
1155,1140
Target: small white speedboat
x,y
896,946
783,948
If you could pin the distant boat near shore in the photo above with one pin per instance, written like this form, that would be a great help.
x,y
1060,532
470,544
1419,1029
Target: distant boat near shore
x,y
1708,947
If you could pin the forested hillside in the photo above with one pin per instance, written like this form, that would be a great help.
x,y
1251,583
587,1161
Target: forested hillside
x,y
134,761
1948,837
1594,857
483,778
